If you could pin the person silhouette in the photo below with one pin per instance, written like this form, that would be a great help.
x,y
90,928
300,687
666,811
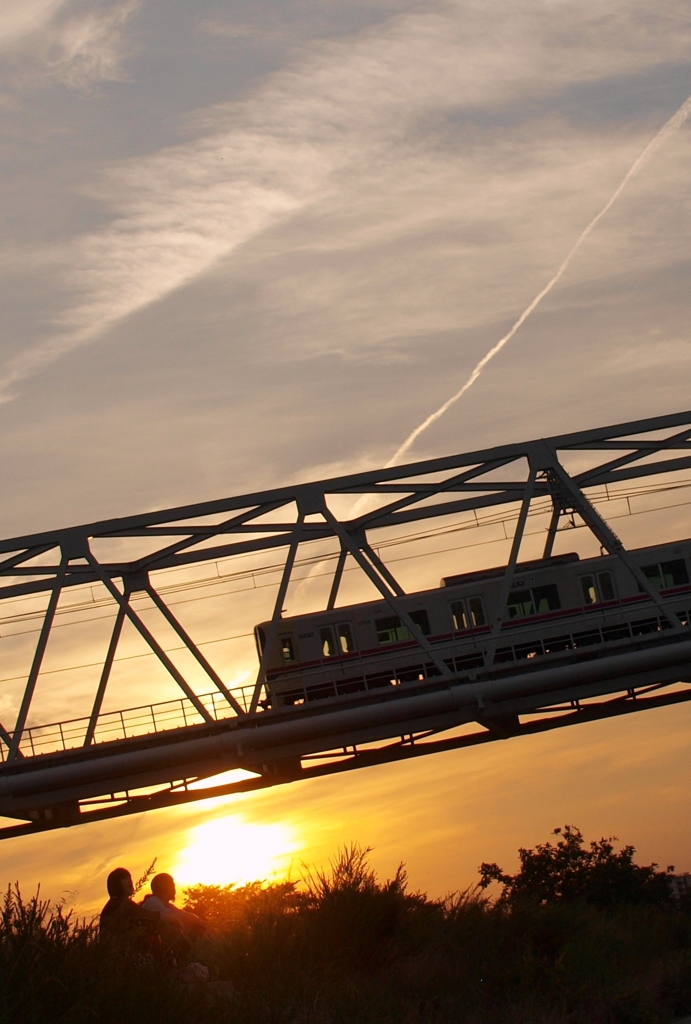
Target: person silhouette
x,y
181,928
162,899
123,917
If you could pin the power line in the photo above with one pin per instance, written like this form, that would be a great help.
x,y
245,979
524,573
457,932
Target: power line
x,y
408,539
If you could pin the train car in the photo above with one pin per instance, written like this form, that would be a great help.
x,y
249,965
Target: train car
x,y
560,610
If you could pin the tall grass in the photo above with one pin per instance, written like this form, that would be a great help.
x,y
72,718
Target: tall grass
x,y
343,947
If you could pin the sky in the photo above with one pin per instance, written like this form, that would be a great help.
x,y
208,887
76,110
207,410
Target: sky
x,y
245,244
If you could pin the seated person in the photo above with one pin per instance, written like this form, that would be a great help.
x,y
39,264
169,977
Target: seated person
x,y
121,915
161,901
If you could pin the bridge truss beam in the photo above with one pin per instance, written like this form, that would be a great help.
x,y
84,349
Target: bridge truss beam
x,y
285,520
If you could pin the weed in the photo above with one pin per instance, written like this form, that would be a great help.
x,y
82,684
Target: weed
x,y
343,947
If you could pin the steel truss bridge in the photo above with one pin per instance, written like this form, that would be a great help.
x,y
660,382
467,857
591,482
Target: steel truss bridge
x,y
111,763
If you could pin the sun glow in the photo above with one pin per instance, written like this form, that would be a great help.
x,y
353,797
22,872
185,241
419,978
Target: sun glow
x,y
232,850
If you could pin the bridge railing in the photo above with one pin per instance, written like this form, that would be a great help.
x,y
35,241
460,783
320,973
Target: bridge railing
x,y
128,723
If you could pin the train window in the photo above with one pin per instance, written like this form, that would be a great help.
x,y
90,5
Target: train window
x,y
533,601
260,637
546,598
477,611
654,574
468,613
345,637
597,587
606,586
287,648
391,630
520,604
421,621
589,590
460,615
328,644
667,574
674,573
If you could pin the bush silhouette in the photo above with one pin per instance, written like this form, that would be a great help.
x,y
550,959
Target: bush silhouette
x,y
569,870
580,935
358,920
223,905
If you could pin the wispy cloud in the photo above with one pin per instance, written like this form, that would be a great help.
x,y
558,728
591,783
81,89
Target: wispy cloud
x,y
88,45
671,126
74,42
649,355
316,131
19,18
183,211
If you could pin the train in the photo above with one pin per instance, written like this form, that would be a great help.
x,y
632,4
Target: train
x,y
561,610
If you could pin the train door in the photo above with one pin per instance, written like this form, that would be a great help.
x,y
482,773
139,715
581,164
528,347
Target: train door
x,y
468,613
336,640
597,587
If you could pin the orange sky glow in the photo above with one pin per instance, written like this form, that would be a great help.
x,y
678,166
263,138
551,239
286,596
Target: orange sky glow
x,y
441,815
251,244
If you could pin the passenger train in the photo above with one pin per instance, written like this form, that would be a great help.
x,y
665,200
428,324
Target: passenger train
x,y
560,610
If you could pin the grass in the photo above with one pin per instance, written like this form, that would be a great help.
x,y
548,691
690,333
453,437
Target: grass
x,y
343,947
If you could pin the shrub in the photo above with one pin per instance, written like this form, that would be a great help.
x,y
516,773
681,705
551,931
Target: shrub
x,y
233,905
343,947
568,870
357,921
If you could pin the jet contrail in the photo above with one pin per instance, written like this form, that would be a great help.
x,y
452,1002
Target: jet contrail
x,y
667,129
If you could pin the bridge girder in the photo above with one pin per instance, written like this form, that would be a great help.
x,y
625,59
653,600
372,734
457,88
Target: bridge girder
x,y
287,520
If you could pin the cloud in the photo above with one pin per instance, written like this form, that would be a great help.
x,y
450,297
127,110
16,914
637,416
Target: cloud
x,y
19,18
649,355
460,241
88,46
670,127
348,116
182,213
73,42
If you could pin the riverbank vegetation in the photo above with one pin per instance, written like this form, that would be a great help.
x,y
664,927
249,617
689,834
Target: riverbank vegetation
x,y
579,934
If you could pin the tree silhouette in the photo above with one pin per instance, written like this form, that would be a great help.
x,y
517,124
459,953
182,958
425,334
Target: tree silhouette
x,y
569,870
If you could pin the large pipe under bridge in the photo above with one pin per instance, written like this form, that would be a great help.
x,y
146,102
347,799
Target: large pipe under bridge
x,y
103,758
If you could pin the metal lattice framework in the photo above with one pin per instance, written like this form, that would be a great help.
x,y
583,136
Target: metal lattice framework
x,y
287,521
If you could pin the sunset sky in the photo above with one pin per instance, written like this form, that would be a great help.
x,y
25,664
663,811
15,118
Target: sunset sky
x,y
252,242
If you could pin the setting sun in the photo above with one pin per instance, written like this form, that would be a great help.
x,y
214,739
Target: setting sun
x,y
232,850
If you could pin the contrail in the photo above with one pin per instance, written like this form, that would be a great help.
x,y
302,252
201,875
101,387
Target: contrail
x,y
675,122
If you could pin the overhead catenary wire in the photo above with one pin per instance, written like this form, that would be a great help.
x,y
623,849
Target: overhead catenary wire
x,y
541,509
